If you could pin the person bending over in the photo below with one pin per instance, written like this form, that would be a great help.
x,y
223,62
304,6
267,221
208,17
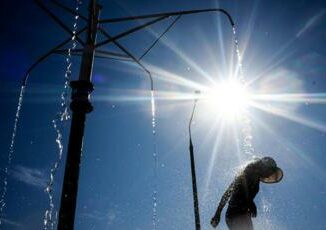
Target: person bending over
x,y
242,192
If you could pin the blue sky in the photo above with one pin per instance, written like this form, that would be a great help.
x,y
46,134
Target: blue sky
x,y
283,54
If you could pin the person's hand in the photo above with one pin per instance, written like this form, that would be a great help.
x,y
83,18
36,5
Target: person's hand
x,y
215,220
253,210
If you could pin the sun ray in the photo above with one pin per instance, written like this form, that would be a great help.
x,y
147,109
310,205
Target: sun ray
x,y
229,99
290,116
167,76
275,61
172,47
221,39
211,164
296,153
249,31
312,98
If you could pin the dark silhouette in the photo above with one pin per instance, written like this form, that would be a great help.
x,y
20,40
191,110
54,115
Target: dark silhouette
x,y
242,192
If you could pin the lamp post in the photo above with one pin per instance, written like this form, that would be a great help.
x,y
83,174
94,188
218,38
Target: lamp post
x,y
193,168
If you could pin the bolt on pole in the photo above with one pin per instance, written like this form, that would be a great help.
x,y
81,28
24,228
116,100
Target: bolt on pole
x,y
80,106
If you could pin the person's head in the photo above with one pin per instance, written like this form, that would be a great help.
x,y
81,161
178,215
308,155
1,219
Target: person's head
x,y
268,170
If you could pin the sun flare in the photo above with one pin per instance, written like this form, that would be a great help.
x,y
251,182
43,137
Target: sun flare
x,y
229,99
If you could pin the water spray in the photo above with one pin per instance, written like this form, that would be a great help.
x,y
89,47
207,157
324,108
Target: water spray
x,y
50,215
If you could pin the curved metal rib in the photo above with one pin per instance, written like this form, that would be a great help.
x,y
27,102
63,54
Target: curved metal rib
x,y
130,55
113,20
43,57
58,20
132,30
159,37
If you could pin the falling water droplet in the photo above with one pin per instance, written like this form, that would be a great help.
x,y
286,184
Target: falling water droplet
x,y
266,208
50,215
246,130
10,154
155,158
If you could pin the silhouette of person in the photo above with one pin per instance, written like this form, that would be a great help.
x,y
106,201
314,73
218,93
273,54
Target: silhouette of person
x,y
242,192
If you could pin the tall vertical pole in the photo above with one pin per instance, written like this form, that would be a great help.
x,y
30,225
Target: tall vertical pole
x,y
194,186
80,106
193,171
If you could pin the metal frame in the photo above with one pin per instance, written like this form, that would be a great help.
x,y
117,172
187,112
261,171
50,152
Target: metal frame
x,y
81,89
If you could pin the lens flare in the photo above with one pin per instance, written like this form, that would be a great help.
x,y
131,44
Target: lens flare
x,y
229,99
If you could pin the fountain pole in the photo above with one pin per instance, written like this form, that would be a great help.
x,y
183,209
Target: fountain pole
x,y
80,106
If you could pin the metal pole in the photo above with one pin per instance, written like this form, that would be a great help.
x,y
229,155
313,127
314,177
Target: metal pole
x,y
193,171
80,106
194,186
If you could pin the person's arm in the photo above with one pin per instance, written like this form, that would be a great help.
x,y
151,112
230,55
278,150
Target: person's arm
x,y
251,196
216,219
252,208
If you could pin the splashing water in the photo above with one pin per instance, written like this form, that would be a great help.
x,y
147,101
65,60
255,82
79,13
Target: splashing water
x,y
49,220
246,129
50,215
155,158
10,154
266,207
247,144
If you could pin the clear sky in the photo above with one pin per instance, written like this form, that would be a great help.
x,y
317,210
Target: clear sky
x,y
284,58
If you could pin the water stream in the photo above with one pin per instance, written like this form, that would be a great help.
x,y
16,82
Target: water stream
x,y
51,215
246,129
10,154
155,159
247,138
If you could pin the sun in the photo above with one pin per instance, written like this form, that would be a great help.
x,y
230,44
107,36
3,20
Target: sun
x,y
229,99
